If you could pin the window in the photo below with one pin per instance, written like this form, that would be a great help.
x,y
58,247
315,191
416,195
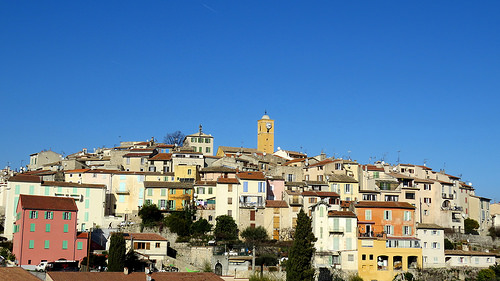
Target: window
x,y
65,244
389,229
66,216
338,166
33,214
371,257
363,257
392,198
171,191
407,216
189,171
230,200
32,244
369,197
435,245
230,213
427,186
210,190
406,230
347,188
368,214
313,200
385,186
289,177
426,212
425,245
375,175
320,177
47,244
47,227
410,195
32,227
79,245
207,149
434,232
350,257
261,187
245,186
229,188
66,228
427,200
388,215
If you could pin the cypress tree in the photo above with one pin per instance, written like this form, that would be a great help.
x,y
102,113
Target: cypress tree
x,y
116,259
299,264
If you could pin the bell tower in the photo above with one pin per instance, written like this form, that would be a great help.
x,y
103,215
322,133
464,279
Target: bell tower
x,y
265,134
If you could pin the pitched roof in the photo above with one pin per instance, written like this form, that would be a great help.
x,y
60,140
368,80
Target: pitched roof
x,y
320,163
210,183
251,175
137,155
161,157
218,169
134,276
25,178
71,184
144,236
341,178
227,180
373,168
320,193
341,214
276,204
399,176
467,253
428,226
167,184
294,161
383,204
34,202
230,149
16,274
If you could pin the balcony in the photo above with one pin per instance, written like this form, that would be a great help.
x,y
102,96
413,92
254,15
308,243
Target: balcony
x,y
123,191
296,201
251,205
447,196
332,229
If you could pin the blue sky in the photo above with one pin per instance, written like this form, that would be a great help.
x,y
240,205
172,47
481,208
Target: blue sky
x,y
369,77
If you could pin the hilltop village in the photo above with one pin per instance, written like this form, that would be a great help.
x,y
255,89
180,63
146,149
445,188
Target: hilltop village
x,y
374,220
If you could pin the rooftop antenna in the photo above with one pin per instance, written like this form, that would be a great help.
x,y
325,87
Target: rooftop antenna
x,y
349,154
200,129
398,155
425,162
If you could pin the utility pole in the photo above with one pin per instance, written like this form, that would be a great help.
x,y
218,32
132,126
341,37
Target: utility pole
x,y
89,241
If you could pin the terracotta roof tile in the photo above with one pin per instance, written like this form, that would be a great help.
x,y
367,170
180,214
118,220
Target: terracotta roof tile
x,y
373,168
137,155
320,163
210,183
320,193
218,169
76,171
341,214
251,175
294,161
24,178
380,204
34,202
428,226
228,180
167,184
276,204
341,178
161,157
16,274
144,236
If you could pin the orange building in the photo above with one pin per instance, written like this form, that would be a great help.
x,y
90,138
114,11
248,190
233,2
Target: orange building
x,y
385,218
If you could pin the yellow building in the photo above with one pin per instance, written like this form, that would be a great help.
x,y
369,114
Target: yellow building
x,y
185,173
169,196
381,258
265,134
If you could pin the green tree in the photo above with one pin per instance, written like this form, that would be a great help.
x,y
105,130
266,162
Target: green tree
x,y
470,226
486,274
180,222
95,261
150,215
200,227
225,228
254,235
132,262
116,259
298,266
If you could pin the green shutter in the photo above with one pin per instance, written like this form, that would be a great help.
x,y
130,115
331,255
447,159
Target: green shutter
x,y
47,191
18,189
36,214
87,203
348,225
87,192
51,215
69,215
65,245
86,216
47,244
163,191
79,245
47,227
32,244
66,227
32,227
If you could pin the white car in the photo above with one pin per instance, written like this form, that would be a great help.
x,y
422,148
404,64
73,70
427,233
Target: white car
x,y
41,266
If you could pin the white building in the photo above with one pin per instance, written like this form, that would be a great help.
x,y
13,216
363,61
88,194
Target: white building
x,y
432,240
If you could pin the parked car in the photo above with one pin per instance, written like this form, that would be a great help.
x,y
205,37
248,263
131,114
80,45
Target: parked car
x,y
41,266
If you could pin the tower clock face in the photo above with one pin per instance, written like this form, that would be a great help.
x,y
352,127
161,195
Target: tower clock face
x,y
269,125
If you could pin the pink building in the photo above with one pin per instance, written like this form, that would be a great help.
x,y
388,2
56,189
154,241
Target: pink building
x,y
45,230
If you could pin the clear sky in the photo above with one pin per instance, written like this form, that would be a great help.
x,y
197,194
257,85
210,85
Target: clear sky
x,y
369,77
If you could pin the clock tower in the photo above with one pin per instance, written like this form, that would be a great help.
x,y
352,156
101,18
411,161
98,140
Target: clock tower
x,y
265,134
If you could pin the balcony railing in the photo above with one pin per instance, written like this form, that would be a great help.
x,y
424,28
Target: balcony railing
x,y
336,229
447,196
251,205
296,201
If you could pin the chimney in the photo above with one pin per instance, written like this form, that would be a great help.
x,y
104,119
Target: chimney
x,y
125,270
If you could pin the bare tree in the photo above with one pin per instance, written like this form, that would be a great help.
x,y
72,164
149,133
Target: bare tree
x,y
176,137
